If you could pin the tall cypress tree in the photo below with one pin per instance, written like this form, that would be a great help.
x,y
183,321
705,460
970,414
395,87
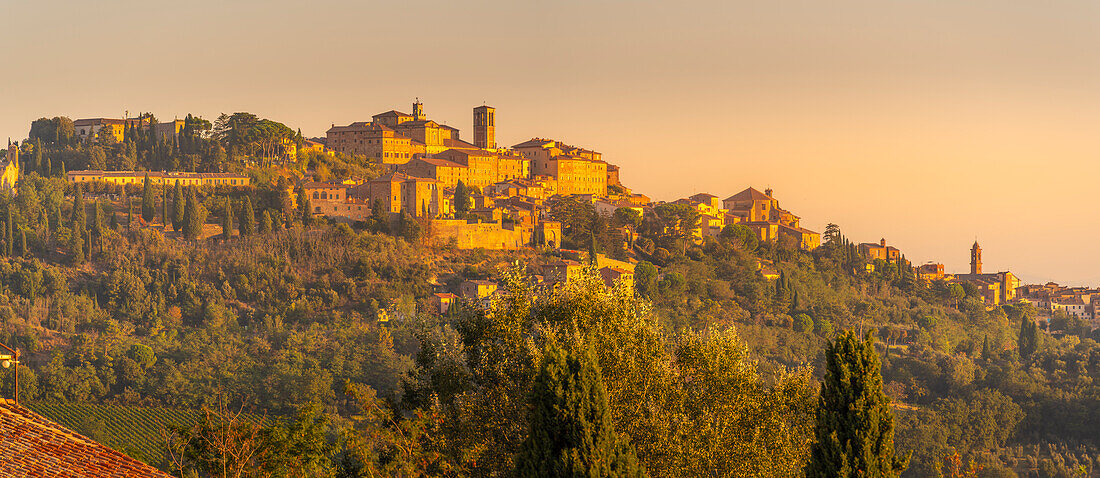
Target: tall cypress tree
x,y
248,218
305,209
188,207
148,203
227,221
76,247
855,428
49,167
163,204
265,223
37,155
10,228
80,215
178,208
462,199
1029,336
195,216
592,250
97,219
22,242
571,430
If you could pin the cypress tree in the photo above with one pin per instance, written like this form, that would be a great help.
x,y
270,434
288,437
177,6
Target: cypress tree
x,y
178,208
248,218
10,244
1029,337
22,242
114,221
305,209
188,209
97,219
195,216
855,428
986,351
265,223
79,216
227,221
148,203
571,431
37,155
592,249
462,199
49,167
163,204
76,247
63,169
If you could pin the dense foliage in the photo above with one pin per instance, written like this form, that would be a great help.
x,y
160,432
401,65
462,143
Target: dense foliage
x,y
709,367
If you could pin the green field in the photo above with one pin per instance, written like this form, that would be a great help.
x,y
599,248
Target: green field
x,y
135,431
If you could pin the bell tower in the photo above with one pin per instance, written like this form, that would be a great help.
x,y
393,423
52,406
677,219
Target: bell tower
x,y
485,135
418,110
976,259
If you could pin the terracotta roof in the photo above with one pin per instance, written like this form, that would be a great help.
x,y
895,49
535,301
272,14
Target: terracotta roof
x,y
392,113
31,445
749,194
356,126
320,185
563,262
466,152
533,143
155,174
458,144
441,162
806,231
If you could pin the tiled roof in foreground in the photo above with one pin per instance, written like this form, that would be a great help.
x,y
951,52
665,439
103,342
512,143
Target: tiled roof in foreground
x,y
32,446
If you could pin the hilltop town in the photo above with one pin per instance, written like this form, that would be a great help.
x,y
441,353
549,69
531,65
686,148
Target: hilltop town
x,y
393,279
483,195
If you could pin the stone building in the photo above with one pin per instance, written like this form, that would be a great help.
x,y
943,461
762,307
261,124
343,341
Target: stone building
x,y
997,288
760,212
402,193
91,127
169,178
393,137
485,118
880,251
575,170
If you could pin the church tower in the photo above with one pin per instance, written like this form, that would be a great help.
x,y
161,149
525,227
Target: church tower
x,y
485,135
976,259
418,110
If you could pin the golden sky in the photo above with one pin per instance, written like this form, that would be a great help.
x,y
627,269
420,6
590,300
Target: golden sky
x,y
927,122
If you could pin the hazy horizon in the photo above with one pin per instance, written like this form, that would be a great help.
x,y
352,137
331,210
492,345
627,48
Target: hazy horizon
x,y
930,124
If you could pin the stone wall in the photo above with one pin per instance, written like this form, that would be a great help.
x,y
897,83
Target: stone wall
x,y
479,235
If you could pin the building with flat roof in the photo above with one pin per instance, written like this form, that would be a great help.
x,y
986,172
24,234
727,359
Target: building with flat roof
x,y
170,178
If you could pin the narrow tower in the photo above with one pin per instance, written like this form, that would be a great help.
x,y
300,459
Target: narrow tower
x,y
976,259
485,135
418,110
